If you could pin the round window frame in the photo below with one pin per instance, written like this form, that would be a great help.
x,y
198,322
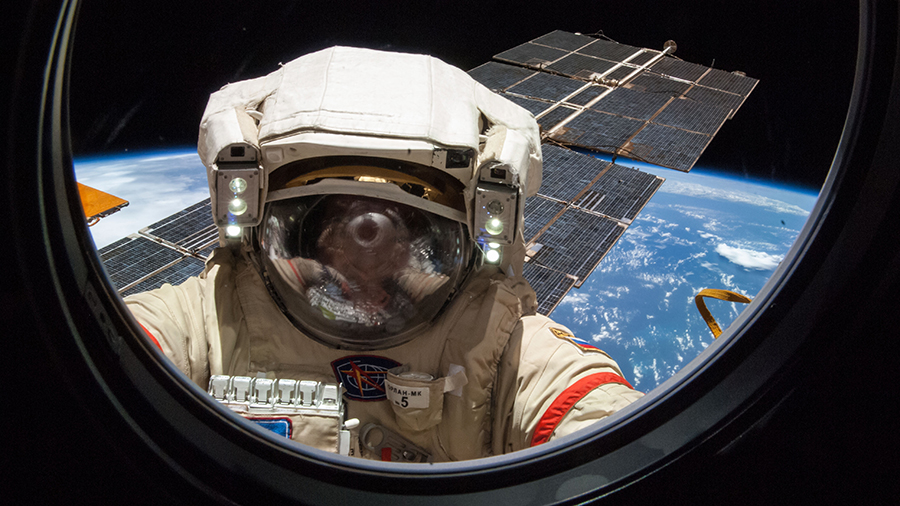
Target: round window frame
x,y
703,409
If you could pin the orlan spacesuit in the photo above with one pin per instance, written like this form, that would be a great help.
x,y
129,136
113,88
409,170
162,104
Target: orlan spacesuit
x,y
370,210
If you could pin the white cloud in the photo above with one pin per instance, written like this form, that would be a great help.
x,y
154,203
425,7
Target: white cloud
x,y
155,186
605,334
638,374
657,280
693,256
614,292
715,225
749,259
727,281
753,245
186,156
576,299
654,368
702,191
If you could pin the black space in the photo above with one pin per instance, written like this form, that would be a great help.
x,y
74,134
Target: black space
x,y
142,72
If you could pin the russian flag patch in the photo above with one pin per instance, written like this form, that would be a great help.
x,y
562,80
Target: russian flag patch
x,y
281,425
581,344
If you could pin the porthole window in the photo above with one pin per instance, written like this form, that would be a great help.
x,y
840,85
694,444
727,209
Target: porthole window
x,y
135,415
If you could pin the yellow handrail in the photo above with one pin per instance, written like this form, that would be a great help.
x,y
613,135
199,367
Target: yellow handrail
x,y
725,295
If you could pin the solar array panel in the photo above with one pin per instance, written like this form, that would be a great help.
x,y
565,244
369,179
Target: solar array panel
x,y
575,243
600,95
666,146
582,208
497,76
625,90
581,66
540,212
546,86
688,115
554,115
566,173
729,82
174,274
564,40
535,107
532,55
620,194
651,83
612,51
190,229
549,285
632,104
134,258
710,96
168,251
679,69
604,132
587,95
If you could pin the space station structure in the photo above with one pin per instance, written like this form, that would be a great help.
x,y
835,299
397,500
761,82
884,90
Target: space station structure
x,y
517,136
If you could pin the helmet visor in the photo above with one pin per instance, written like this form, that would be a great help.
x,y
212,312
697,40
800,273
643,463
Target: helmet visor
x,y
361,273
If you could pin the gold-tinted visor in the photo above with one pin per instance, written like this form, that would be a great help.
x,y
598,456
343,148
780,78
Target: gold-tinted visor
x,y
427,183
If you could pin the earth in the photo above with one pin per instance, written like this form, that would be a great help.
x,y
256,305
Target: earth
x,y
701,230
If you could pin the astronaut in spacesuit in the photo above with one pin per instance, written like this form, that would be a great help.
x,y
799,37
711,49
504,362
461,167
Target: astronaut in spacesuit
x,y
370,211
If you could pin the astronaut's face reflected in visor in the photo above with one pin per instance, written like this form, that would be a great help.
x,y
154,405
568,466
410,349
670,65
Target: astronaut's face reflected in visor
x,y
361,273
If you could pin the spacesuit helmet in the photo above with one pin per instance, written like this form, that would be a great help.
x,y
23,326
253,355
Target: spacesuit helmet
x,y
367,186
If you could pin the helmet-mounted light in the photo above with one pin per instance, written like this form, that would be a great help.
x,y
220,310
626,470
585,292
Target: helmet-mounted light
x,y
492,254
496,205
238,186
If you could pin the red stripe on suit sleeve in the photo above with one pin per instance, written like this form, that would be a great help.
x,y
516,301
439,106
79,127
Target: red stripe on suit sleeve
x,y
152,338
564,402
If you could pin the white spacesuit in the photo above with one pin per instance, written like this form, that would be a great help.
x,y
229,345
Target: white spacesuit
x,y
370,210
